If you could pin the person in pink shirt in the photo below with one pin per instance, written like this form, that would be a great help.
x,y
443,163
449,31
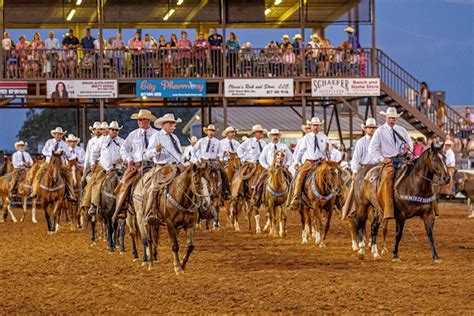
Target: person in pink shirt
x,y
289,61
200,47
22,48
184,47
363,63
136,46
418,146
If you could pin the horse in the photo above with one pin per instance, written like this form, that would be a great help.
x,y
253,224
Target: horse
x,y
72,210
231,167
7,166
7,183
210,209
413,195
275,195
51,191
322,186
24,190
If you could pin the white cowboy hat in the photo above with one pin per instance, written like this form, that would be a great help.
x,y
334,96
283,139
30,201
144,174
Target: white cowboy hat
x,y
247,45
391,112
168,117
72,138
257,128
297,36
315,35
315,121
305,127
115,125
193,139
228,130
143,115
96,125
448,143
370,122
244,138
104,125
210,127
57,130
20,143
349,29
273,131
285,36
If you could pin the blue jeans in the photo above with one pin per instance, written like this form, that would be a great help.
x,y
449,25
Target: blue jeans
x,y
118,61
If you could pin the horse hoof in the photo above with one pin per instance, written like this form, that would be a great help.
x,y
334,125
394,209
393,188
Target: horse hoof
x,y
384,251
122,253
322,245
179,271
135,259
304,241
377,256
145,263
15,221
258,231
34,221
93,244
396,259
437,261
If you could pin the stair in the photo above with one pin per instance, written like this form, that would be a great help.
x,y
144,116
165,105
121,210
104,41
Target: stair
x,y
400,90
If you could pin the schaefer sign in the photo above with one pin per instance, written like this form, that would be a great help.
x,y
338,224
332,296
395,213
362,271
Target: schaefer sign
x,y
171,88
13,89
345,87
82,89
258,87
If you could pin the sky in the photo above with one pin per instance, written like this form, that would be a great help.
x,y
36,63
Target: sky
x,y
432,39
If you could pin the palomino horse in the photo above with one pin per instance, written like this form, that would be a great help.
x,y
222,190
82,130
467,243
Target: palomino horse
x,y
24,190
176,209
51,192
413,196
7,183
73,211
320,191
275,195
7,166
231,167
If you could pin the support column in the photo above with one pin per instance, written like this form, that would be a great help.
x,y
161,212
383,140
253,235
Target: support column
x,y
303,109
224,110
325,117
351,128
224,39
78,121
338,122
101,110
373,60
85,134
100,15
302,26
2,29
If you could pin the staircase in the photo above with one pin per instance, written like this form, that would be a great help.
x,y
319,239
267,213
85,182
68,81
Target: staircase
x,y
400,90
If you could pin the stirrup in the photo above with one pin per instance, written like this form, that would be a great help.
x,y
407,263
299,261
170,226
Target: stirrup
x,y
151,219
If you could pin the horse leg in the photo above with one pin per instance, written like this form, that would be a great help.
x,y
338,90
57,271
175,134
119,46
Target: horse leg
x,y
110,235
258,230
398,237
173,234
373,236
10,210
360,221
33,211
121,232
270,227
47,217
283,218
189,246
353,232
384,236
317,225
304,224
25,206
326,228
217,225
429,220
133,235
93,230
156,237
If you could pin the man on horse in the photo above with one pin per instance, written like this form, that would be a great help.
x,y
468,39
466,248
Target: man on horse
x,y
210,149
77,152
97,133
266,161
133,154
21,159
189,151
229,143
56,145
388,146
314,147
107,153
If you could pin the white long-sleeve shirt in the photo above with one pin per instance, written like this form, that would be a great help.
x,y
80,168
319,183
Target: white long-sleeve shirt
x,y
360,156
107,152
336,155
51,145
134,148
450,158
384,145
268,153
89,149
208,149
297,148
308,149
227,148
168,153
18,157
188,154
249,151
79,153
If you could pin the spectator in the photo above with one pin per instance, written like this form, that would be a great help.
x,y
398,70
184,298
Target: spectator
x,y
136,46
200,46
51,43
148,54
352,42
274,59
70,41
363,63
298,43
262,64
7,43
323,59
457,149
466,123
87,64
70,44
21,48
315,44
441,115
247,60
37,47
215,43
425,97
289,61
87,42
13,64
233,47
118,46
308,57
168,61
419,146
447,189
184,47
109,55
285,42
174,46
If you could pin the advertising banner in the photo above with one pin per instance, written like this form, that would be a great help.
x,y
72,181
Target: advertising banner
x,y
258,88
170,88
345,87
13,89
82,89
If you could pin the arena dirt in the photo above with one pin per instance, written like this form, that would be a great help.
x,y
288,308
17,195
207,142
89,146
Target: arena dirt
x,y
232,272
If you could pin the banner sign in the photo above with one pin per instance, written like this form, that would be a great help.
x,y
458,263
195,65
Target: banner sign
x,y
345,87
258,88
13,89
171,88
82,89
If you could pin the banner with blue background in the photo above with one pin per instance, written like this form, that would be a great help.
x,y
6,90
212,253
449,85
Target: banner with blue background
x,y
170,88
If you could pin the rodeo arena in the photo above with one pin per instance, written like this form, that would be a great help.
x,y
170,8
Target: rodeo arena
x,y
167,166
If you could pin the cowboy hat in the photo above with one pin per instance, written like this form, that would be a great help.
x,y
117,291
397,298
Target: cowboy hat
x,y
19,144
285,36
305,127
193,139
244,138
448,142
391,112
96,125
370,122
297,36
315,35
210,127
228,130
115,125
257,128
349,29
143,115
273,131
168,117
57,130
104,125
315,121
72,138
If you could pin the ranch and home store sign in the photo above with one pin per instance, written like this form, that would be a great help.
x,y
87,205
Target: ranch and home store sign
x,y
258,88
345,87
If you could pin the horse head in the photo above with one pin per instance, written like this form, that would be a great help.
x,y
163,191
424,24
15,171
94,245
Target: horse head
x,y
54,166
199,171
434,161
213,178
278,159
329,175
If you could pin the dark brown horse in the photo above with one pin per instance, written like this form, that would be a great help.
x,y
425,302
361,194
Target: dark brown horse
x,y
210,209
413,196
51,192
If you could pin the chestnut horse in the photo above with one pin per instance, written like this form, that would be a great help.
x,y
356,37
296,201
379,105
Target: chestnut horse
x,y
24,190
414,195
72,209
7,183
51,191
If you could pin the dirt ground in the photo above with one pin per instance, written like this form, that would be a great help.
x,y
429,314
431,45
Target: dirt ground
x,y
239,272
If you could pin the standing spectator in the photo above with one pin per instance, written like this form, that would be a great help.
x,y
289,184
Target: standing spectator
x,y
87,42
285,42
7,46
274,59
308,58
419,146
363,63
247,60
425,97
262,64
323,59
215,43
96,53
298,43
148,49
233,47
22,53
184,47
289,61
168,61
118,46
466,123
37,47
447,189
70,45
352,42
174,47
200,54
136,46
458,150
51,45
441,115
315,44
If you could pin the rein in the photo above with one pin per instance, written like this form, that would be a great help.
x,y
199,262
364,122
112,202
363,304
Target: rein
x,y
56,188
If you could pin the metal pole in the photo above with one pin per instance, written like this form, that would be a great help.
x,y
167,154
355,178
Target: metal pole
x,y
339,130
78,121
224,36
100,6
373,63
302,49
2,52
303,109
351,129
101,110
325,117
224,109
84,124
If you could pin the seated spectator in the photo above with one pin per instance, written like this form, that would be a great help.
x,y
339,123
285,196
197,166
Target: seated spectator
x,y
247,60
87,64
